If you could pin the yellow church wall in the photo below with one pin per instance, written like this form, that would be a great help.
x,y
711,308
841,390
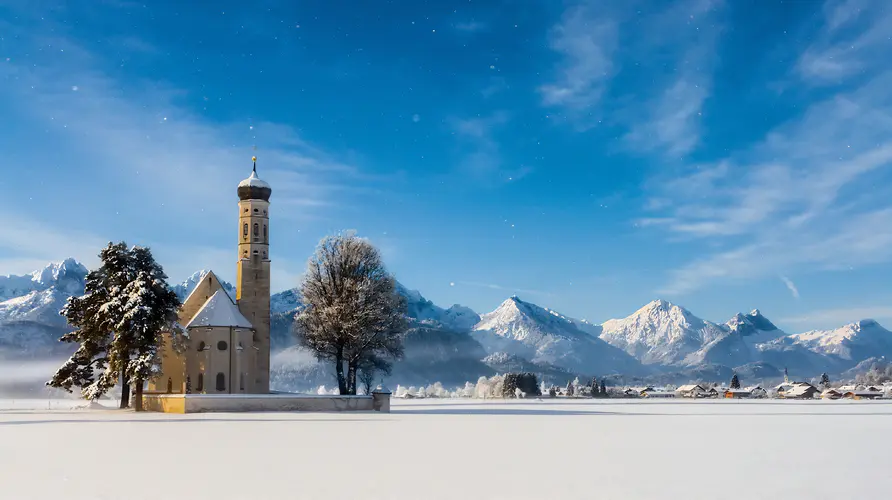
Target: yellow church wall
x,y
175,365
165,403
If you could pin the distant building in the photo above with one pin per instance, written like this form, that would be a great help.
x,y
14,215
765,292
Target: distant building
x,y
690,391
800,390
757,392
863,395
831,394
737,394
657,394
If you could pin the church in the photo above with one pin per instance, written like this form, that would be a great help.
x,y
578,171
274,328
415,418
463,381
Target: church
x,y
225,363
227,347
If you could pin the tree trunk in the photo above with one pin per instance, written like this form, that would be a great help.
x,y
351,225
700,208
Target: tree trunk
x,y
351,378
125,390
139,395
339,370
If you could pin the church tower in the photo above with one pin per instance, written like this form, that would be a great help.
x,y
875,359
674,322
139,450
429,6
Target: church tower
x,y
253,277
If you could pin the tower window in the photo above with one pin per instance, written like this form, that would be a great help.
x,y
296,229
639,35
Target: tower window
x,y
221,382
264,234
241,381
264,212
246,210
256,210
256,231
222,345
200,386
245,230
201,346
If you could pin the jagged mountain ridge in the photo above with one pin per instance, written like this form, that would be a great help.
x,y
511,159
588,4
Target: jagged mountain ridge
x,y
544,336
662,335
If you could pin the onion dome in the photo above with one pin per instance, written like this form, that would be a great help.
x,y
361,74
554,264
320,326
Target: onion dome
x,y
253,188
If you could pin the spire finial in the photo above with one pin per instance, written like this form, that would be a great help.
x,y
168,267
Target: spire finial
x,y
254,159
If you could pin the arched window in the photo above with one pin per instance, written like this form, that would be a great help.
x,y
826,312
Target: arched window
x,y
256,210
169,385
221,382
256,231
222,345
245,230
241,381
200,386
265,237
201,346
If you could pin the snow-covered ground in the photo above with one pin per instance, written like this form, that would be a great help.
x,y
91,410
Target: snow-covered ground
x,y
447,449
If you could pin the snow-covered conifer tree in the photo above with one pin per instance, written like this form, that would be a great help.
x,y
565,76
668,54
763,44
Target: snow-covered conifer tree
x,y
119,319
735,382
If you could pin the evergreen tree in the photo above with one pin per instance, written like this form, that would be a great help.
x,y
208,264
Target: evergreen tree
x,y
149,306
603,388
825,380
735,382
118,323
595,388
569,390
509,384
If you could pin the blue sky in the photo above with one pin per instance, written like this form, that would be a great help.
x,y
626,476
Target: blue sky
x,y
589,156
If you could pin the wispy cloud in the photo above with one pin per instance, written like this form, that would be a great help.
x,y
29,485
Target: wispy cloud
x,y
493,286
854,37
790,286
144,149
43,244
812,195
471,27
586,41
686,33
483,158
672,45
833,318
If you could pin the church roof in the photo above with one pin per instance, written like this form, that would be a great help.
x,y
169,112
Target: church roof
x,y
219,311
254,188
253,181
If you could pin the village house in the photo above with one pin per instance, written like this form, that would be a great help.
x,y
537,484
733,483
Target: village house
x,y
831,394
800,390
863,395
657,394
757,392
736,394
690,391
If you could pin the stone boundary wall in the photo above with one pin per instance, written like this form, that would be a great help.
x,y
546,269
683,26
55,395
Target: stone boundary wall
x,y
200,403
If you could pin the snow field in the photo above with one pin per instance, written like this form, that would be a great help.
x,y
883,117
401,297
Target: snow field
x,y
448,449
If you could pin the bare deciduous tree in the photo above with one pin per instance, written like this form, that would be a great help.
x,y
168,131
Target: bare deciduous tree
x,y
353,315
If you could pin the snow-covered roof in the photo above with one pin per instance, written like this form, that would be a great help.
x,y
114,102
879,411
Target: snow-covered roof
x,y
219,311
690,387
253,181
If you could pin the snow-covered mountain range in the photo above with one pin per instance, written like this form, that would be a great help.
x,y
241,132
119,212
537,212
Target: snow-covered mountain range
x,y
456,344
